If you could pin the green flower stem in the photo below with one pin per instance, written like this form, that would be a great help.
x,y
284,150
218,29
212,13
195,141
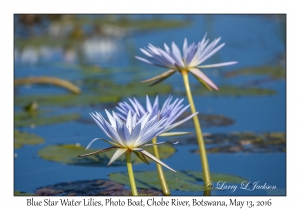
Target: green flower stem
x,y
130,173
202,150
161,175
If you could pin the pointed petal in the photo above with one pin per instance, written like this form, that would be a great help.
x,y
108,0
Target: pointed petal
x,y
147,154
210,53
99,151
117,154
141,156
218,64
134,106
174,133
148,104
129,121
185,48
113,133
182,121
203,83
107,141
125,135
144,60
202,76
167,48
177,55
160,76
161,79
140,107
145,52
111,119
159,143
135,132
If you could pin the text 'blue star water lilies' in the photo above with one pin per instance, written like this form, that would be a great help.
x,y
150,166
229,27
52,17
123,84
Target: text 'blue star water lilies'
x,y
170,110
190,59
132,134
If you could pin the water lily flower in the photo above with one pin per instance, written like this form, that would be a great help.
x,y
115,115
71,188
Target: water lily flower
x,y
133,134
185,62
189,60
170,110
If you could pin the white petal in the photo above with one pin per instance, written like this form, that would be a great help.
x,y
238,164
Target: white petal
x,y
174,133
148,104
156,160
182,121
117,154
202,76
185,48
129,121
177,55
144,60
210,53
159,143
218,64
111,119
107,141
167,48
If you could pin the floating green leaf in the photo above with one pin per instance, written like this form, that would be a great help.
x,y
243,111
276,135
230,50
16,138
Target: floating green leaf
x,y
207,120
242,142
35,118
228,90
19,193
109,88
277,72
22,138
181,180
90,188
65,99
68,154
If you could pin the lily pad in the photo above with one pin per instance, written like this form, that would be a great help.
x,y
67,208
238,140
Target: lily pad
x,y
277,72
228,90
241,142
20,193
207,120
181,180
68,154
90,188
24,119
109,88
22,138
65,99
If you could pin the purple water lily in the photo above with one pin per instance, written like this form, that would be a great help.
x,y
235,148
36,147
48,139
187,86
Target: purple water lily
x,y
169,110
132,133
190,59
